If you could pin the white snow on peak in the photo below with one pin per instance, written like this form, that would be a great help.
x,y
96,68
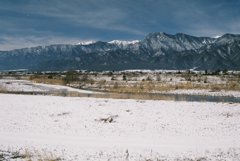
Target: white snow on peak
x,y
86,42
217,36
123,42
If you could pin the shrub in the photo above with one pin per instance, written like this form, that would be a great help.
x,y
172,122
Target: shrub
x,y
124,77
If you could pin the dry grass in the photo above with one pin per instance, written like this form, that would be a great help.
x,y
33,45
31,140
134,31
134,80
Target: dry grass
x,y
29,155
145,87
165,83
3,89
48,81
151,86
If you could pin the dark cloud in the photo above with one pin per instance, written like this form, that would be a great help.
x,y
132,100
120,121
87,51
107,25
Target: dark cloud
x,y
113,19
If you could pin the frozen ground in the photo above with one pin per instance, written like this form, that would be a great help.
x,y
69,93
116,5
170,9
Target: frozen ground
x,y
108,129
205,92
27,86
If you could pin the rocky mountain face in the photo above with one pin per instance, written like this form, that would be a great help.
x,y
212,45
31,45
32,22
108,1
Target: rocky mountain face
x,y
155,51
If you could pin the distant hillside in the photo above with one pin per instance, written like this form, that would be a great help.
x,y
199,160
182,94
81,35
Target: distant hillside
x,y
155,51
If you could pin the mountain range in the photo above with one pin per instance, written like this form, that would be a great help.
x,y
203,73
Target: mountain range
x,y
156,51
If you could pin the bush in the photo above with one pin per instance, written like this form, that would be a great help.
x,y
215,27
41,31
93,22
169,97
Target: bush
x,y
50,77
71,77
124,77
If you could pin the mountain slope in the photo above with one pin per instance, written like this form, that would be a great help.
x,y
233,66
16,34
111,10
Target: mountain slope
x,y
155,51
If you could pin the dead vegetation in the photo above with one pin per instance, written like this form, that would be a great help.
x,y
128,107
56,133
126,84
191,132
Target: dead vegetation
x,y
28,155
153,86
2,89
46,79
138,81
109,119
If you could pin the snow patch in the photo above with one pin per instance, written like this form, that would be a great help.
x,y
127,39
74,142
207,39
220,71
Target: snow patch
x,y
86,42
217,36
28,86
123,42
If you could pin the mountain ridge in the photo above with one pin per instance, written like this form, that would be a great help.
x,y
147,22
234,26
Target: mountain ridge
x,y
157,50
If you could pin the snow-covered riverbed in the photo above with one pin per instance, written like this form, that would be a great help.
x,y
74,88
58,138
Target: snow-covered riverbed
x,y
28,86
109,129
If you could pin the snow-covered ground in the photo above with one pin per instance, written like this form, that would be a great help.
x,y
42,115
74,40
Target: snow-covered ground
x,y
109,129
28,86
205,92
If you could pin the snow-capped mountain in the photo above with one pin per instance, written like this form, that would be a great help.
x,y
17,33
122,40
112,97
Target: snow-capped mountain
x,y
217,36
155,51
86,42
178,42
227,39
123,42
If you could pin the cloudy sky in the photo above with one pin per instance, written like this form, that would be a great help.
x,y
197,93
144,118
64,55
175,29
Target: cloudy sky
x,y
26,23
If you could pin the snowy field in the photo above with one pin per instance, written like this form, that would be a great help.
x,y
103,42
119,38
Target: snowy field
x,y
28,86
205,92
93,129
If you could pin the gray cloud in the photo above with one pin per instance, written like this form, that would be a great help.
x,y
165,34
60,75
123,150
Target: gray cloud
x,y
112,19
9,42
95,14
